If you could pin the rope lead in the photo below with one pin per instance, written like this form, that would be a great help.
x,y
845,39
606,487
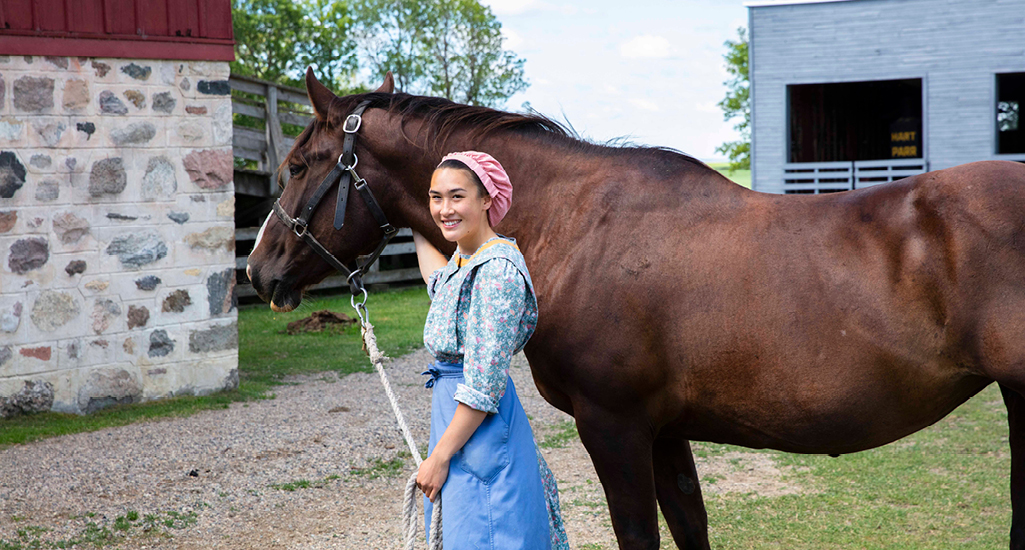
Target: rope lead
x,y
409,515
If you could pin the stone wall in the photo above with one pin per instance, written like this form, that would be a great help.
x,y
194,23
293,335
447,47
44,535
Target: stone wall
x,y
116,229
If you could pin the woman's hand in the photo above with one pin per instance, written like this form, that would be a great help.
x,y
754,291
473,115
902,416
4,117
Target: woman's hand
x,y
432,475
434,471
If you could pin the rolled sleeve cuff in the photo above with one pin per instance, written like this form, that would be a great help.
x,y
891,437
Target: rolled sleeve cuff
x,y
432,280
474,399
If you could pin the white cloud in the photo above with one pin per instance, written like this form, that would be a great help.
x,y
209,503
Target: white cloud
x,y
511,39
645,46
707,107
511,7
644,104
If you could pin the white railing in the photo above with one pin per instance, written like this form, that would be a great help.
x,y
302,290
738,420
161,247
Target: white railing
x,y
830,177
1012,157
874,172
817,177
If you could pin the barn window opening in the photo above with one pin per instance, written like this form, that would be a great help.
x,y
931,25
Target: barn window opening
x,y
1010,96
855,121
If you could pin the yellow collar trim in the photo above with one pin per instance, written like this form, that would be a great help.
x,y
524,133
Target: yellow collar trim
x,y
461,261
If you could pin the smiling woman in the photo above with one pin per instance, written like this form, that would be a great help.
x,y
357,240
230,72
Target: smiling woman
x,y
498,489
459,203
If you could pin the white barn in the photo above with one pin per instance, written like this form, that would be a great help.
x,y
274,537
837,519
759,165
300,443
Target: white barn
x,y
852,93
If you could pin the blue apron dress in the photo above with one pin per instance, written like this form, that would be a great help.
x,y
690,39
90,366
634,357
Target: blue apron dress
x,y
499,494
493,497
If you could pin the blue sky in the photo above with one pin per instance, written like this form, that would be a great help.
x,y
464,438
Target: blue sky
x,y
650,70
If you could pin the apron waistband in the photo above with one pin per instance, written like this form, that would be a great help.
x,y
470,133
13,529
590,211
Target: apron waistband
x,y
441,369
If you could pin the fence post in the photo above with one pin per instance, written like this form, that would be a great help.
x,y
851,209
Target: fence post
x,y
276,151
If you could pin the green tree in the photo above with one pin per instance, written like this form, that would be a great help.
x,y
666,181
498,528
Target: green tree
x,y
277,39
737,103
451,48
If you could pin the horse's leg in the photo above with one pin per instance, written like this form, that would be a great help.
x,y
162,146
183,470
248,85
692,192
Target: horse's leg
x,y
621,452
1016,424
679,494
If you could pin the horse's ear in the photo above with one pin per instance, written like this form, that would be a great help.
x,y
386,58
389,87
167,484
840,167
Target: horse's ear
x,y
389,84
320,96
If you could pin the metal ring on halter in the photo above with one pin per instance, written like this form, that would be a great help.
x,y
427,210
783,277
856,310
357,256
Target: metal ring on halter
x,y
352,300
355,161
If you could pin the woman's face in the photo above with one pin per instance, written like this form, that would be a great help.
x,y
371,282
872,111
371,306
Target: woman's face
x,y
457,205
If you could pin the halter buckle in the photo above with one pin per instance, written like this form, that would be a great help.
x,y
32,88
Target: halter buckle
x,y
299,228
352,123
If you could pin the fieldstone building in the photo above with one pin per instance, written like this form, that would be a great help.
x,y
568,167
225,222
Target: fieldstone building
x,y
116,207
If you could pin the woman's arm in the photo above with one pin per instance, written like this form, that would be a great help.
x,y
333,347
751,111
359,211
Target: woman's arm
x,y
434,470
430,258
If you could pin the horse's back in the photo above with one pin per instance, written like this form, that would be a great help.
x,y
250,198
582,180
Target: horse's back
x,y
895,298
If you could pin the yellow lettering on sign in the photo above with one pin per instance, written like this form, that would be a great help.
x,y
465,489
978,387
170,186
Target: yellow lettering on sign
x,y
902,136
906,151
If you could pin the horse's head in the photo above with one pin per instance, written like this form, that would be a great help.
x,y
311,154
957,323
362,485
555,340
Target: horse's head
x,y
282,265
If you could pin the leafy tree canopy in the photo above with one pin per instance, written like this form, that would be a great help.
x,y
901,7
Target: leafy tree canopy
x,y
277,39
448,48
737,103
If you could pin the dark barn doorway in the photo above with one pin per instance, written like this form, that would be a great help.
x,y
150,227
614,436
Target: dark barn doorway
x,y
1010,127
852,121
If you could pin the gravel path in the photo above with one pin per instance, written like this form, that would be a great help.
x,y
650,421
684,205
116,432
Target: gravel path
x,y
214,479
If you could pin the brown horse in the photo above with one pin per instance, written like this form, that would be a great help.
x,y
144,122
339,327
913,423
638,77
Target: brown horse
x,y
676,305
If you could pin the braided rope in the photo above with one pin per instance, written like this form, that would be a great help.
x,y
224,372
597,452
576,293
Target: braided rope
x,y
409,515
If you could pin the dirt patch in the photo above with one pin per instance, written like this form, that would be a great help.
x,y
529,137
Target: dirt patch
x,y
746,473
319,321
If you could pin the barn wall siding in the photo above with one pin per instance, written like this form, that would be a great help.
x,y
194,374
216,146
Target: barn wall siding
x,y
955,46
155,29
116,229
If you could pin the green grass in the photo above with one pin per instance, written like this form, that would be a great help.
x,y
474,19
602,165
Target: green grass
x,y
266,356
380,468
563,433
99,535
741,177
944,487
304,484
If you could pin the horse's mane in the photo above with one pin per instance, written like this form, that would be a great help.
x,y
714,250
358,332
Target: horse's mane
x,y
441,118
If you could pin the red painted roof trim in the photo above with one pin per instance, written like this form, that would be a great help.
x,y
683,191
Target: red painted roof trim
x,y
126,47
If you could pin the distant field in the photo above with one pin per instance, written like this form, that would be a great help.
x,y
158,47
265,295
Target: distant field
x,y
741,177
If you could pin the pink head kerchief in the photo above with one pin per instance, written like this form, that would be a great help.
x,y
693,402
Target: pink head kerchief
x,y
494,178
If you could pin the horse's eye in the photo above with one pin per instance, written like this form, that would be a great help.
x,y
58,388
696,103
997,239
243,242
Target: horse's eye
x,y
295,169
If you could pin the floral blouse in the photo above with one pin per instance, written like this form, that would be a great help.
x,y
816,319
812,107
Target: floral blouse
x,y
488,298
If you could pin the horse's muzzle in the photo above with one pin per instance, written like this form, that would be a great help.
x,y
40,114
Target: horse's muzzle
x,y
281,295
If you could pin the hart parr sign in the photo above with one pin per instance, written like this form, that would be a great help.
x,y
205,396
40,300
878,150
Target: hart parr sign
x,y
906,138
903,151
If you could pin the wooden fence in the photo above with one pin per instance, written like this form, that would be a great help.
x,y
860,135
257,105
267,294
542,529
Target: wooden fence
x,y
276,108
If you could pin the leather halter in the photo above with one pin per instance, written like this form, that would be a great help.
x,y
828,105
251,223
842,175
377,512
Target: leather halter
x,y
343,173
